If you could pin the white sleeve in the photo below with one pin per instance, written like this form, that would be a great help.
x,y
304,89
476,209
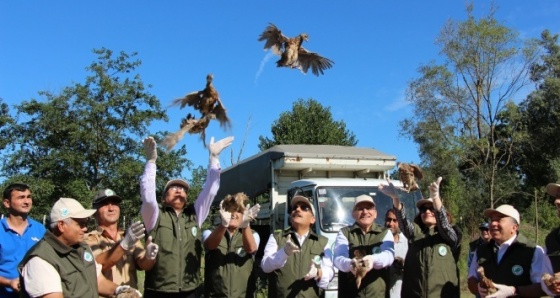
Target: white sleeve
x,y
273,257
342,261
40,278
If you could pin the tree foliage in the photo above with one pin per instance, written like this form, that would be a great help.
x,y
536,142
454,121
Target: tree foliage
x,y
308,123
541,110
459,107
88,137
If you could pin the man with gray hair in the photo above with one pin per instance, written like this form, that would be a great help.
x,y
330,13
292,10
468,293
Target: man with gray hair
x,y
510,260
62,264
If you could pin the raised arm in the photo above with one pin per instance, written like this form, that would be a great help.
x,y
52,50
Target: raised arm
x,y
149,210
212,183
442,221
407,227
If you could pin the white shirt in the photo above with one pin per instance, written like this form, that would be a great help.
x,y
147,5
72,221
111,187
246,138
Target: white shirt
x,y
275,258
401,248
41,278
546,268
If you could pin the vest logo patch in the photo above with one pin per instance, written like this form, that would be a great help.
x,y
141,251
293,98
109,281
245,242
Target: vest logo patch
x,y
517,270
442,250
194,231
241,252
317,260
376,250
88,257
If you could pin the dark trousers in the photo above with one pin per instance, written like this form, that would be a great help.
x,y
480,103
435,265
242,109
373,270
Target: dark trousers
x,y
157,294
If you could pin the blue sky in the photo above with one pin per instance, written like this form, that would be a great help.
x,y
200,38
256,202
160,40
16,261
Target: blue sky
x,y
377,47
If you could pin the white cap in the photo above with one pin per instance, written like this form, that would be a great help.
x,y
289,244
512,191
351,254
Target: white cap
x,y
69,208
506,210
553,189
364,198
302,199
421,202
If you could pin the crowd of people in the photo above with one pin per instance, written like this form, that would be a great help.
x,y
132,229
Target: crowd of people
x,y
405,257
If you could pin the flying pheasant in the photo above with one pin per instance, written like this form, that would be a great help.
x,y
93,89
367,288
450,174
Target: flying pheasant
x,y
291,53
208,103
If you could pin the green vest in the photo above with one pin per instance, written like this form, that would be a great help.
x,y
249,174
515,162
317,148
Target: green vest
x,y
515,265
75,266
227,268
288,281
177,267
374,284
552,243
430,266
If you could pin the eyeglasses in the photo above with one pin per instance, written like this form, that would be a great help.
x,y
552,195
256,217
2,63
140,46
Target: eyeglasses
x,y
176,188
388,219
423,209
302,207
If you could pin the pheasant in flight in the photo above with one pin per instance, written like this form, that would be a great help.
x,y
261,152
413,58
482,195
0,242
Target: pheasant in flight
x,y
291,53
208,103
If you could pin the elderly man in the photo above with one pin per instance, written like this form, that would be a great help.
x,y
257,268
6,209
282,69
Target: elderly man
x,y
230,249
510,260
297,260
175,225
363,244
18,233
62,264
401,248
119,254
551,263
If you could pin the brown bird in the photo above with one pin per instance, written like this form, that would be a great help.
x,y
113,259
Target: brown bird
x,y
360,266
408,173
234,203
551,280
208,103
485,282
291,53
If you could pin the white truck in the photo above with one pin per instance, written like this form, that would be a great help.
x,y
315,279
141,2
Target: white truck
x,y
330,176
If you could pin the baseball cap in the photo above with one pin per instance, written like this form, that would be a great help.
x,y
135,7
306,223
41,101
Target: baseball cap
x,y
103,195
69,208
424,201
553,189
364,198
180,182
484,226
302,199
506,210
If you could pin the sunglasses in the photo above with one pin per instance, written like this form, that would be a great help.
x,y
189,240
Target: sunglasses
x,y
302,207
390,219
423,209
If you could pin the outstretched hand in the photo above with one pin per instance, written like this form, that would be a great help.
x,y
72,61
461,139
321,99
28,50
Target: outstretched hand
x,y
150,149
249,214
216,148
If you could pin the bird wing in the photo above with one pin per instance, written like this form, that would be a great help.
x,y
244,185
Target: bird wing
x,y
316,62
274,39
221,114
191,99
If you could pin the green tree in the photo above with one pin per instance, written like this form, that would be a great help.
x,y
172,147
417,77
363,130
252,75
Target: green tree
x,y
458,106
89,136
308,123
542,116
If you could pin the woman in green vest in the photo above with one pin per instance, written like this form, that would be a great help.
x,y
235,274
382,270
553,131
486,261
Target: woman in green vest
x,y
430,267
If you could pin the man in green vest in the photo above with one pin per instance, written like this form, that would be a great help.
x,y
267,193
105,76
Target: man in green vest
x,y
175,225
364,247
297,260
62,264
230,247
510,260
551,263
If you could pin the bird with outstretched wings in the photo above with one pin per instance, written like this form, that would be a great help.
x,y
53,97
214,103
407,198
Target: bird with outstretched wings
x,y
208,103
292,53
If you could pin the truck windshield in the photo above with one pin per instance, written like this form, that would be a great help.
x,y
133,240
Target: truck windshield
x,y
336,203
